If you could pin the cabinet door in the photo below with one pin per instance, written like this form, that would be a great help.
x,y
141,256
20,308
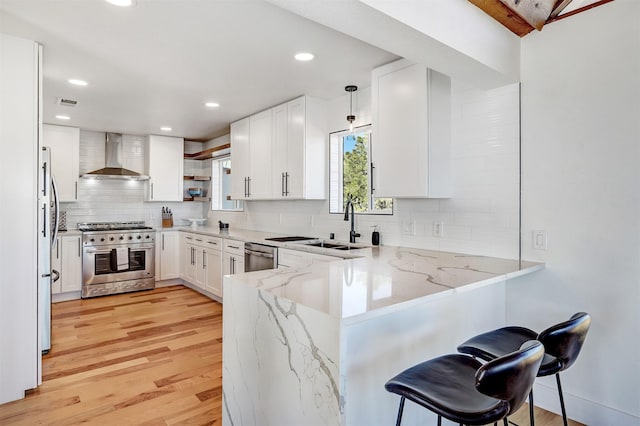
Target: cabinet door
x,y
213,268
411,112
260,153
165,163
280,157
201,264
169,255
65,158
240,160
71,274
295,172
56,263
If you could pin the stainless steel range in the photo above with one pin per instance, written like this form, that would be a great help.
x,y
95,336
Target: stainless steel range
x,y
117,257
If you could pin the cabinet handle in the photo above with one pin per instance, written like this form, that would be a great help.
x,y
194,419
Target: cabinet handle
x,y
198,239
212,242
192,255
162,242
248,187
233,265
282,184
76,190
44,221
245,186
188,238
79,247
58,248
204,260
372,181
152,191
44,179
286,183
234,247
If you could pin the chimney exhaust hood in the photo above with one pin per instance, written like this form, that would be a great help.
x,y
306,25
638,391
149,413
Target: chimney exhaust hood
x,y
113,158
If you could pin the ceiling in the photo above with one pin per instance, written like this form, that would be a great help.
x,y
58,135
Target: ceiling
x,y
157,63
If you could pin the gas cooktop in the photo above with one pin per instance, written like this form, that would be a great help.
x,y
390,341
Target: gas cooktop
x,y
112,226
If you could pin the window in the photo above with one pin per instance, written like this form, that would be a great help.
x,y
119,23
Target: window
x,y
221,186
350,174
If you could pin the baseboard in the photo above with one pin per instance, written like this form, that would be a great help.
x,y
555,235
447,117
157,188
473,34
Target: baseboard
x,y
581,410
168,283
64,297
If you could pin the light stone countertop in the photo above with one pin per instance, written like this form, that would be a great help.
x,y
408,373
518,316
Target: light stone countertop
x,y
371,281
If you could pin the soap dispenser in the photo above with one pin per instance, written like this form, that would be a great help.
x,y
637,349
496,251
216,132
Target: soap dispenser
x,y
375,236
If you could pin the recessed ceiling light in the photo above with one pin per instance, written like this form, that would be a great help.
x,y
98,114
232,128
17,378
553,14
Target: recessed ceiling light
x,y
304,56
212,104
77,82
166,128
122,3
63,117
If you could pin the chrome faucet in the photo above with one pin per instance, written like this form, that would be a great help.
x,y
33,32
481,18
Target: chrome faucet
x,y
353,234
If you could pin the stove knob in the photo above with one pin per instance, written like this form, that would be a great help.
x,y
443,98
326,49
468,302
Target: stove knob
x,y
139,236
147,237
102,239
111,239
130,237
92,240
121,237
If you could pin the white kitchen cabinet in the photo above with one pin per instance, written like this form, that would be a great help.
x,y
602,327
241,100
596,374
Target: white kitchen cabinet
x,y
65,158
260,151
299,150
165,164
169,256
213,267
66,258
284,157
288,258
411,117
233,257
188,264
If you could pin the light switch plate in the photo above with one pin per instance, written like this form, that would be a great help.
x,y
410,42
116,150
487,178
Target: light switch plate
x,y
438,229
540,239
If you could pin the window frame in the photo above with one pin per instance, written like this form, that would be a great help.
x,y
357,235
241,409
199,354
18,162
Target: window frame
x,y
340,135
216,179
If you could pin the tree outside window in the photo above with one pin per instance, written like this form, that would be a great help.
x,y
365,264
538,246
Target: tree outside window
x,y
350,174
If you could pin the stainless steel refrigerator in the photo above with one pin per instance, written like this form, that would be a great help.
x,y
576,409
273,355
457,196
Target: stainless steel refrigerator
x,y
47,235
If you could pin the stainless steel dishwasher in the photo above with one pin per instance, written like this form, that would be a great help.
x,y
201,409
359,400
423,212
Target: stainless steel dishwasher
x,y
258,257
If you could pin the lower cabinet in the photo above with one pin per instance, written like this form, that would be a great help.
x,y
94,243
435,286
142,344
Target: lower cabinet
x,y
66,258
167,255
296,259
201,262
233,257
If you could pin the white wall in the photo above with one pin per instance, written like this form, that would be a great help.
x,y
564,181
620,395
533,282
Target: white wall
x,y
581,183
480,218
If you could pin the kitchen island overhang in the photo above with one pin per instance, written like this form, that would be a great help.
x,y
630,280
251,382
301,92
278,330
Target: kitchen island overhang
x,y
315,345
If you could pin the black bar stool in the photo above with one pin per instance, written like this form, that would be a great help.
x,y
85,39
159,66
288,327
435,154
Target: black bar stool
x,y
562,343
462,389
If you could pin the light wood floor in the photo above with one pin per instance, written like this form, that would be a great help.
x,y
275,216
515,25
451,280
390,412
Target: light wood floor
x,y
147,358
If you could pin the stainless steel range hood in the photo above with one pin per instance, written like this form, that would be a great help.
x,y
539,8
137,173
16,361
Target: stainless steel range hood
x,y
113,158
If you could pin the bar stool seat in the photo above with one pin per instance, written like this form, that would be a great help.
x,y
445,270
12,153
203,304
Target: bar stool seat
x,y
463,389
562,343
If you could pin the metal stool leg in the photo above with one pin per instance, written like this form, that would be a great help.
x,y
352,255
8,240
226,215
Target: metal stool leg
x,y
439,420
400,409
505,422
531,415
564,412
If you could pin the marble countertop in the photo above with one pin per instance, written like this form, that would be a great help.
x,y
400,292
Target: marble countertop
x,y
383,279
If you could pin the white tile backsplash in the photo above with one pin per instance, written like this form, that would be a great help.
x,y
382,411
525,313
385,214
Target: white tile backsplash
x,y
481,217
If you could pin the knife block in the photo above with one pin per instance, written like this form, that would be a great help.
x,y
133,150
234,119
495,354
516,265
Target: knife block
x,y
167,220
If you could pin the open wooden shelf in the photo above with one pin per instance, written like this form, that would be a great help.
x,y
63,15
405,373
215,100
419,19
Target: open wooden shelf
x,y
198,178
196,199
207,153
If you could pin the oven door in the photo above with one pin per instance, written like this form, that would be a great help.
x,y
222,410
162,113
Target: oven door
x,y
99,264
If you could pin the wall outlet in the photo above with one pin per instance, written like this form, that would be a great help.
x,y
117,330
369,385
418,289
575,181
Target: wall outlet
x,y
409,227
438,229
540,239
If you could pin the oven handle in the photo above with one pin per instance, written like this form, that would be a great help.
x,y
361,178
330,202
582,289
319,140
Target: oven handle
x,y
95,250
258,253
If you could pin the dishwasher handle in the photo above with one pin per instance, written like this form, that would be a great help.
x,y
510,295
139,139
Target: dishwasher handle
x,y
258,253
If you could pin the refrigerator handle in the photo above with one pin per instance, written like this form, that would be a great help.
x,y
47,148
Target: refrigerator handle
x,y
57,213
56,275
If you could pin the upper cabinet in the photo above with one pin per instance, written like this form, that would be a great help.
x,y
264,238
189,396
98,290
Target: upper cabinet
x,y
65,159
164,162
240,161
281,153
411,117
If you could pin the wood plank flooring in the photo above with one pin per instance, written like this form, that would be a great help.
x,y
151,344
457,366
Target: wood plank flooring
x,y
146,358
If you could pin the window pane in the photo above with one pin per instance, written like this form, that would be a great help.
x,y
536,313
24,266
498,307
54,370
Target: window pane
x,y
356,171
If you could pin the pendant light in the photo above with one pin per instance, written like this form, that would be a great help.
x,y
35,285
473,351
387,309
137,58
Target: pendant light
x,y
351,118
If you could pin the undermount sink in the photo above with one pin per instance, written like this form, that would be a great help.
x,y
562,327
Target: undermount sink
x,y
333,246
322,244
